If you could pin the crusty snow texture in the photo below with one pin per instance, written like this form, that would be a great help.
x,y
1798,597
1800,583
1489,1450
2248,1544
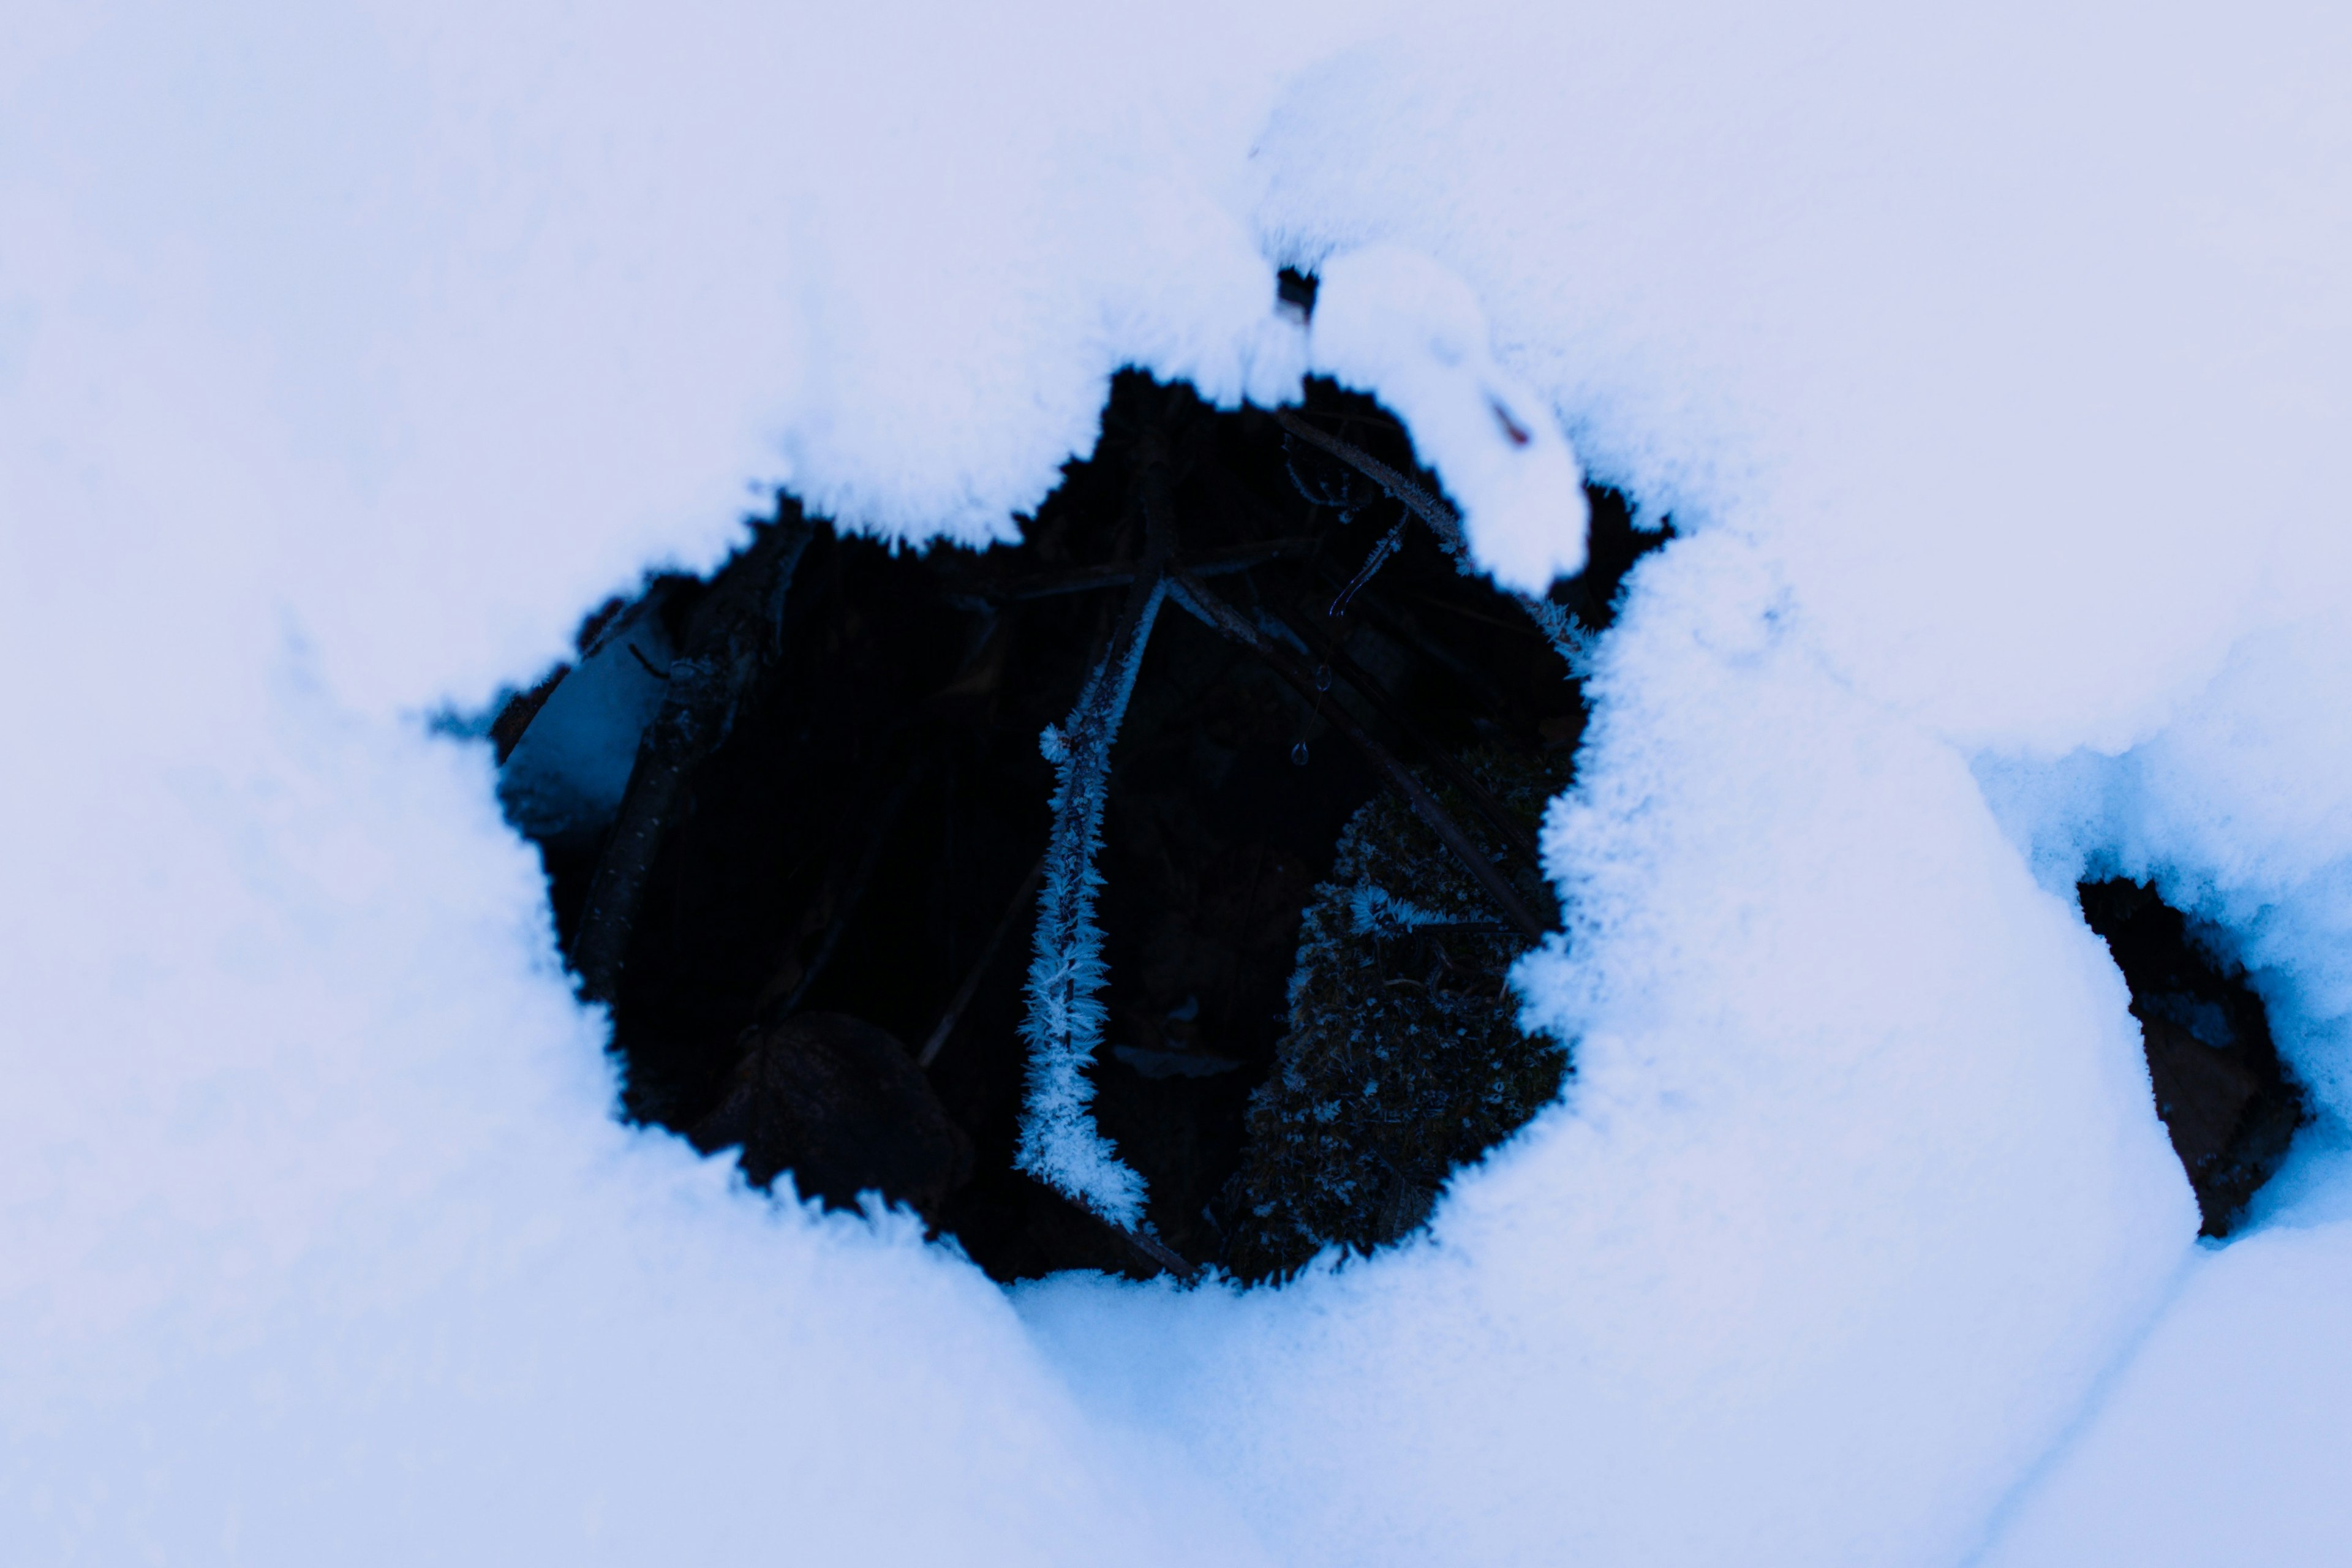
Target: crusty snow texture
x,y
1993,361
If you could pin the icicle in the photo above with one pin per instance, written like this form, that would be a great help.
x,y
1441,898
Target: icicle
x,y
1060,1143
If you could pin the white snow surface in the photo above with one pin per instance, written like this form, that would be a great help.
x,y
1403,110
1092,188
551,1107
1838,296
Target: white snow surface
x,y
1994,364
1391,318
2223,1439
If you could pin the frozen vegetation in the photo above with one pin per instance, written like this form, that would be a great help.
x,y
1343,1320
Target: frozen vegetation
x,y
1992,363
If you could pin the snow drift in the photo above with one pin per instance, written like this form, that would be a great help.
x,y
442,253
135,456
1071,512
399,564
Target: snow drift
x,y
1993,366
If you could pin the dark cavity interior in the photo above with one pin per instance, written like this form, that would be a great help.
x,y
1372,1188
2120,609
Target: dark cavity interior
x,y
835,805
793,818
2226,1098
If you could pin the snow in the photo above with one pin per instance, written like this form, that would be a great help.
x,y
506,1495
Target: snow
x,y
1728,1311
1396,324
2224,1438
1992,364
2230,810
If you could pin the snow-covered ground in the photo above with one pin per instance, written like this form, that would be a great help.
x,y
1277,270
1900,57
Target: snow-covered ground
x,y
1994,364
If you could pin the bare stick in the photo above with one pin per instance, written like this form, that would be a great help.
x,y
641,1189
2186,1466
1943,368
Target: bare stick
x,y
776,1014
1193,596
1388,544
1060,1142
1156,1251
1360,681
729,639
1571,642
1119,573
979,971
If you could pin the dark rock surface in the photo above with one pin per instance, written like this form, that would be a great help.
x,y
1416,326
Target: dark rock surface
x,y
841,1105
2226,1098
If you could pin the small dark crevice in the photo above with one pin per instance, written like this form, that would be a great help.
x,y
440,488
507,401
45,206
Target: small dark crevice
x,y
1294,291
825,962
2227,1098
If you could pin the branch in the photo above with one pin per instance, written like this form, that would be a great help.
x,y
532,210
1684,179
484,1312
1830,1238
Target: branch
x,y
729,640
1362,683
1442,519
1060,1143
773,1012
1157,1252
1388,544
1558,628
979,971
1119,573
1196,597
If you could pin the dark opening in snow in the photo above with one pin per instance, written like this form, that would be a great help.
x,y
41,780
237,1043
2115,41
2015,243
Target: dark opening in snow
x,y
1296,291
2226,1098
794,818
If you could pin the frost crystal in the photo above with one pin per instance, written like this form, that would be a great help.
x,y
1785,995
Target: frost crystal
x,y
1375,912
1059,1142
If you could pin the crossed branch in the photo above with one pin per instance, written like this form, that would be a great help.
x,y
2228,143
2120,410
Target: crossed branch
x,y
733,637
1060,1142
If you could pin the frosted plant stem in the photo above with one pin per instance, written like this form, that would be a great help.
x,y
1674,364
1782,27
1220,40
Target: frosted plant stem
x,y
1387,545
1568,639
1060,1143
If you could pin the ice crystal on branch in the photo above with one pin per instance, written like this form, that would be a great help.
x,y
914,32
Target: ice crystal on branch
x,y
1060,1141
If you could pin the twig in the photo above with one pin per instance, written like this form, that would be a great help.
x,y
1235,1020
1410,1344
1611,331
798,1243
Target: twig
x,y
1387,545
1119,573
729,640
1157,1251
1360,681
1060,1141
776,1013
979,971
1196,597
1442,519
1556,624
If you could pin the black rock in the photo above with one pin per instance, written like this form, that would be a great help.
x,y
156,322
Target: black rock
x,y
841,1105
2226,1097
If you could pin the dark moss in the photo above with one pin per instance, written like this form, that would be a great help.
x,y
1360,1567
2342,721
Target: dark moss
x,y
1404,1059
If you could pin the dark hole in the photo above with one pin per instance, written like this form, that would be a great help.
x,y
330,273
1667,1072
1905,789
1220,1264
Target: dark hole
x,y
836,850
2226,1098
1295,289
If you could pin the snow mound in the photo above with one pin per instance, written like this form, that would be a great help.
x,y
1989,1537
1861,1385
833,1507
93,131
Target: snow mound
x,y
2224,1440
1992,363
1393,323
